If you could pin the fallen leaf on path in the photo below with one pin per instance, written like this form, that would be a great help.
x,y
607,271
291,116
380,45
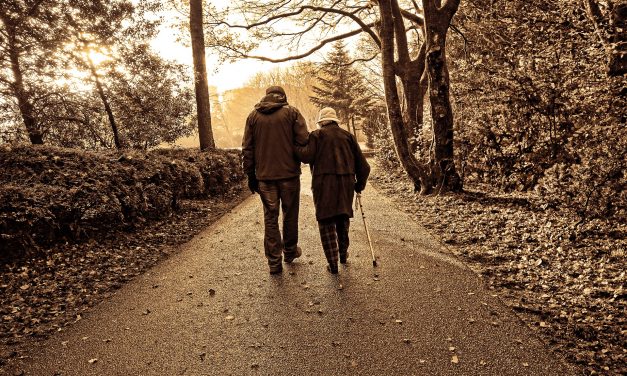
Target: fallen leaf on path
x,y
92,361
483,363
451,348
525,364
229,317
398,321
454,359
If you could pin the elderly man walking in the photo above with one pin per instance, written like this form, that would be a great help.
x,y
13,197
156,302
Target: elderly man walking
x,y
272,130
339,169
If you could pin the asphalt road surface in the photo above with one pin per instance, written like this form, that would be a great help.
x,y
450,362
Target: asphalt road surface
x,y
213,309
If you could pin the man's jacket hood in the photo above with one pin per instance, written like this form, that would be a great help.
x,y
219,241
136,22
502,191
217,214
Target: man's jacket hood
x,y
270,103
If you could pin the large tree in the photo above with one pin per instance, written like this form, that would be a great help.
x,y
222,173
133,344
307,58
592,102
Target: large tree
x,y
203,103
30,39
395,28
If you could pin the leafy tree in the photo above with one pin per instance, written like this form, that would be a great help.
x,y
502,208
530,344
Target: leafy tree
x,y
96,27
151,111
340,85
78,62
536,109
30,38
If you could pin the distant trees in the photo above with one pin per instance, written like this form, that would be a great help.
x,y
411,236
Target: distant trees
x,y
298,81
230,110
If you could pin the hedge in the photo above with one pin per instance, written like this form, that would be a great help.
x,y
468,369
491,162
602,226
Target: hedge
x,y
50,194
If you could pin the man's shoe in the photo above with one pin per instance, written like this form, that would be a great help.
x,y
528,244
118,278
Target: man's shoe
x,y
288,258
343,257
276,269
332,268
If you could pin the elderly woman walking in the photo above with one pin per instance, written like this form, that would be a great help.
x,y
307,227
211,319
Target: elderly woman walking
x,y
339,169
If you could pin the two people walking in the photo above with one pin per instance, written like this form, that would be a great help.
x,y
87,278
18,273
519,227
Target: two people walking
x,y
276,141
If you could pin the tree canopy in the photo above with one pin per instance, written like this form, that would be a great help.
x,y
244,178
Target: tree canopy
x,y
81,73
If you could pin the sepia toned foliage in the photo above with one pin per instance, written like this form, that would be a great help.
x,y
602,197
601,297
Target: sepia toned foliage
x,y
535,107
340,86
69,67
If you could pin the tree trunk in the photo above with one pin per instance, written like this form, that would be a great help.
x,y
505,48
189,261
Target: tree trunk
x,y
416,172
201,86
609,31
414,90
105,102
437,21
35,134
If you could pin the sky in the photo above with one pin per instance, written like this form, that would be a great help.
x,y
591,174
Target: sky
x,y
224,76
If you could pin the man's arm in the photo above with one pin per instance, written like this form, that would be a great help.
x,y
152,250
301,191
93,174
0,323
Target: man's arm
x,y
248,147
301,134
307,153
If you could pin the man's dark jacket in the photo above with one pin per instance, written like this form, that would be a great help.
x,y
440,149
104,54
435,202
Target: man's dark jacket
x,y
339,168
272,129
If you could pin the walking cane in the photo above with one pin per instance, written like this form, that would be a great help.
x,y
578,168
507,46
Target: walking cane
x,y
363,216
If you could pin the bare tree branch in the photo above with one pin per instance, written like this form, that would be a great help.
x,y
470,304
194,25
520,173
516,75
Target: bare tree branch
x,y
307,53
365,27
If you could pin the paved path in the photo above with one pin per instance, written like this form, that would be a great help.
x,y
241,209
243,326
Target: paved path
x,y
421,312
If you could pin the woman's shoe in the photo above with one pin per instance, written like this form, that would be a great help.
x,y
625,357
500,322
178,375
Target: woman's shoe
x,y
332,268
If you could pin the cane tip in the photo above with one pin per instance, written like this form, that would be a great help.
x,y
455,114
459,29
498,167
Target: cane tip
x,y
374,263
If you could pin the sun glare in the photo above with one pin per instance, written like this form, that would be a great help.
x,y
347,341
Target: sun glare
x,y
97,57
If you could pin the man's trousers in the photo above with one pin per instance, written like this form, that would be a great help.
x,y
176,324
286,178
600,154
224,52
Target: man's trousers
x,y
283,194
